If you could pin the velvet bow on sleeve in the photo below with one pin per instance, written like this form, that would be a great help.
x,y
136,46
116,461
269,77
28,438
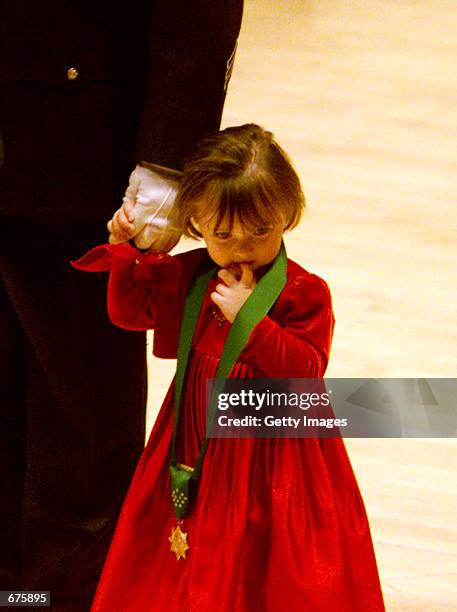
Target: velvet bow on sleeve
x,y
137,282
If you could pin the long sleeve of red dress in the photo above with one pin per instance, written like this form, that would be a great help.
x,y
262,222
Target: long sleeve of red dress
x,y
145,290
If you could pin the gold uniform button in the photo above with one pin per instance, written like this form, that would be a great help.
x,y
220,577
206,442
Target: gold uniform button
x,y
72,74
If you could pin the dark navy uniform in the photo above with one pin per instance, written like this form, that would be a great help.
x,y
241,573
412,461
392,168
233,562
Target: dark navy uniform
x,y
87,90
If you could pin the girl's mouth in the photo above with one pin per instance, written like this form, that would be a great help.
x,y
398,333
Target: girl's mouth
x,y
236,266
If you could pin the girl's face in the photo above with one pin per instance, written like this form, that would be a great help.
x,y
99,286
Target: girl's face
x,y
228,247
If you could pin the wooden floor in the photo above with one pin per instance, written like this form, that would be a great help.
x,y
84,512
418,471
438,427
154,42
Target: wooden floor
x,y
363,95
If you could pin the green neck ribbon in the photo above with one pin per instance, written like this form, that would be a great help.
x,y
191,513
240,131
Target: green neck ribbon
x,y
257,305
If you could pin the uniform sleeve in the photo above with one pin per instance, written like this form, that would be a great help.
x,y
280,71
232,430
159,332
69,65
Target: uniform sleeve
x,y
191,47
140,285
294,340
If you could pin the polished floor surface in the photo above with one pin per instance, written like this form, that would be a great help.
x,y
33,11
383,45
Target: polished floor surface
x,y
363,96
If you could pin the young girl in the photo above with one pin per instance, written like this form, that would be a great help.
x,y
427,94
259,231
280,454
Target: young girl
x,y
273,524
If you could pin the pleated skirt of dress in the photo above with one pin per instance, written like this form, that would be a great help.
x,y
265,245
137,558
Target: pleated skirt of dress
x,y
276,524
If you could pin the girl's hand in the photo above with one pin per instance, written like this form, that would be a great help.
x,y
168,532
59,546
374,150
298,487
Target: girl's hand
x,y
122,227
231,296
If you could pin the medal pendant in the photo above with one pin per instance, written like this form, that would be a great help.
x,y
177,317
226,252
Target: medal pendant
x,y
178,541
180,478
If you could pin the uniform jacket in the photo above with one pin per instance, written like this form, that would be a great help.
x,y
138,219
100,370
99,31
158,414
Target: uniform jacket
x,y
89,88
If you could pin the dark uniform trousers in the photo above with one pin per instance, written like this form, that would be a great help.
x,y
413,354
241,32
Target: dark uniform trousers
x,y
87,89
71,425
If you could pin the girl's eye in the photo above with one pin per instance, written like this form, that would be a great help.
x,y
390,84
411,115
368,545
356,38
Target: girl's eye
x,y
222,235
261,231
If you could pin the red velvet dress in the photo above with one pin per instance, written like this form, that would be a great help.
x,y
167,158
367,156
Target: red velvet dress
x,y
277,524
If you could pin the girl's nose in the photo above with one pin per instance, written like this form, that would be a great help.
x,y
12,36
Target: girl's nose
x,y
242,250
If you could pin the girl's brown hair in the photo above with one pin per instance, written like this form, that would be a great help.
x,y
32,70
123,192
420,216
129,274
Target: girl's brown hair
x,y
240,172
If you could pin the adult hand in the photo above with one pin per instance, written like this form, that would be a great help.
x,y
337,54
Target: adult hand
x,y
147,214
233,293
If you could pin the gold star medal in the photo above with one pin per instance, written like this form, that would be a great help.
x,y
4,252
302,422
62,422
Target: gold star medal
x,y
178,540
180,478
